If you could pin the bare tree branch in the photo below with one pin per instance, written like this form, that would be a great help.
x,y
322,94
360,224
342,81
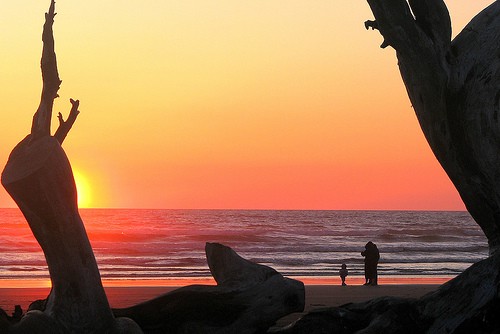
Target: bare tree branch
x,y
65,126
51,82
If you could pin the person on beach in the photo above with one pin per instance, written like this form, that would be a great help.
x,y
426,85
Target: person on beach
x,y
343,272
372,256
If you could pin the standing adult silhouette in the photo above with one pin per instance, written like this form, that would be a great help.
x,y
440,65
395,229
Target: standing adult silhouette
x,y
372,256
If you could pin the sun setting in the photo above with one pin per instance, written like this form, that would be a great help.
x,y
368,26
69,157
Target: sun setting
x,y
343,170
239,104
84,189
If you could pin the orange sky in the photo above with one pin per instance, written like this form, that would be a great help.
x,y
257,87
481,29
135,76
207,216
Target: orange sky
x,y
226,104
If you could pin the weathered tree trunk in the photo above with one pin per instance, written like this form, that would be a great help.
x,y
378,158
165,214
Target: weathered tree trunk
x,y
39,178
454,89
248,298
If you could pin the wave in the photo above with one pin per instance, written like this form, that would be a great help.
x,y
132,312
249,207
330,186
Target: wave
x,y
170,243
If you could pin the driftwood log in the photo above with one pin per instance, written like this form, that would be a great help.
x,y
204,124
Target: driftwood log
x,y
248,298
454,87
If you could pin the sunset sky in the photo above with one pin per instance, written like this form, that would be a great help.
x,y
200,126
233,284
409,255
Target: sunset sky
x,y
258,104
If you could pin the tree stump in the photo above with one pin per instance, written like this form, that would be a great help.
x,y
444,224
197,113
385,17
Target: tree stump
x,y
39,178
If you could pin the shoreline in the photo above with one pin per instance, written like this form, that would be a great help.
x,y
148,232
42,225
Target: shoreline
x,y
320,291
183,281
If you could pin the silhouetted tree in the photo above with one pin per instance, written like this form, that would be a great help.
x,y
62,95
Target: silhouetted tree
x,y
454,89
39,178
248,298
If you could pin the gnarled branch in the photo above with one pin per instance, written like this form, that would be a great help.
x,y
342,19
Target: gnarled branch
x,y
51,82
65,126
453,87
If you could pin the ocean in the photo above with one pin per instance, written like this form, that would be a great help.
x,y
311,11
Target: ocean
x,y
140,244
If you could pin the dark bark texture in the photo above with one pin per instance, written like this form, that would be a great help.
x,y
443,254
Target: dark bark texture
x,y
39,178
454,87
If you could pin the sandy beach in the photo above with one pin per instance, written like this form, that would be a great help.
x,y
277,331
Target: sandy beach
x,y
326,295
317,295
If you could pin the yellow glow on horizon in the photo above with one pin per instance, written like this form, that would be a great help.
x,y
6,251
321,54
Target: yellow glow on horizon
x,y
26,283
84,189
228,104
